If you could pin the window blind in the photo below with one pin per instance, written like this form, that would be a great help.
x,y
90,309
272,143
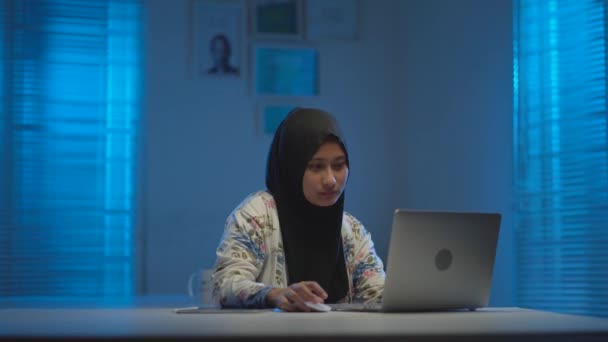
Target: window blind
x,y
561,155
70,78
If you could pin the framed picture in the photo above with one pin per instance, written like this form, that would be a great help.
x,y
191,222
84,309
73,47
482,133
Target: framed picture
x,y
283,70
280,19
270,113
217,31
332,20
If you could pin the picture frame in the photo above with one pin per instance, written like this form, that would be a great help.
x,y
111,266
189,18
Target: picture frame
x,y
285,70
217,33
270,113
332,20
277,19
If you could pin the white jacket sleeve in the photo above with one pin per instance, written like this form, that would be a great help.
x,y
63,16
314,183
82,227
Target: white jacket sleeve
x,y
240,258
368,270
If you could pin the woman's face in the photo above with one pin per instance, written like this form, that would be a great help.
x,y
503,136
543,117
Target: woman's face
x,y
325,175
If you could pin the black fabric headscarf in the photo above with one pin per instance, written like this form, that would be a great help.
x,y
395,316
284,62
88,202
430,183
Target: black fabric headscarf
x,y
312,237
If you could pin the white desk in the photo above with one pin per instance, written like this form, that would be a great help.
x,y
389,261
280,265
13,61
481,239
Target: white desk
x,y
161,323
152,317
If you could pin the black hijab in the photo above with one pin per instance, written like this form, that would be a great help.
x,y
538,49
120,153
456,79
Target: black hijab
x,y
312,237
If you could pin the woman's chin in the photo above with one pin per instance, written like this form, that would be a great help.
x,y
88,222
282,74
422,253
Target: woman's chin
x,y
325,202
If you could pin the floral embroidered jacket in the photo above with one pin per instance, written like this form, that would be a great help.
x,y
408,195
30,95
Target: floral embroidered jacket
x,y
250,259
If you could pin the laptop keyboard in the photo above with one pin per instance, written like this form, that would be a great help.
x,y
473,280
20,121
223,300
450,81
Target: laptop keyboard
x,y
374,306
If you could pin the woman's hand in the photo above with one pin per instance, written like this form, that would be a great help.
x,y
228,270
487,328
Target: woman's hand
x,y
292,298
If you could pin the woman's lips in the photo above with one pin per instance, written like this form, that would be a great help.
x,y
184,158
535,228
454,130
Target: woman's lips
x,y
328,194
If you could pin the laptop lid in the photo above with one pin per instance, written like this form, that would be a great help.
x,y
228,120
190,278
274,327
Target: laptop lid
x,y
440,260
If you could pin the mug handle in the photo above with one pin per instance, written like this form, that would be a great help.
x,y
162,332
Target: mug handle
x,y
190,285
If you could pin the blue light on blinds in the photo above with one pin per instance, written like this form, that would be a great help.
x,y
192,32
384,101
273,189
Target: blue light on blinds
x,y
70,109
561,155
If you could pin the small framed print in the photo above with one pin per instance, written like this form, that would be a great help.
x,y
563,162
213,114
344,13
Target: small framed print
x,y
277,19
270,114
332,20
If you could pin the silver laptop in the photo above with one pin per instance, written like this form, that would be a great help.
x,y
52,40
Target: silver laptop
x,y
437,261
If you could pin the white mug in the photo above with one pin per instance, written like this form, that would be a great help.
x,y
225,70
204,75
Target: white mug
x,y
200,284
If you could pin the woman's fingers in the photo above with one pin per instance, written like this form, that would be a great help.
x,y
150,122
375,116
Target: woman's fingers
x,y
293,298
305,291
316,289
311,291
296,301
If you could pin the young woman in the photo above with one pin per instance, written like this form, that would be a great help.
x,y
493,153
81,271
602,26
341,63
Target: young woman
x,y
294,242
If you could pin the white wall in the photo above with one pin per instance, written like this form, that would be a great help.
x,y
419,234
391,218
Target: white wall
x,y
424,100
203,156
455,123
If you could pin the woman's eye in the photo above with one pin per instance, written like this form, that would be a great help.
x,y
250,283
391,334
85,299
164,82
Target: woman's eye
x,y
315,167
338,167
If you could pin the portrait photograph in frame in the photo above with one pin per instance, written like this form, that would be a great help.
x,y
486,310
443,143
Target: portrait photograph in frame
x,y
277,19
217,33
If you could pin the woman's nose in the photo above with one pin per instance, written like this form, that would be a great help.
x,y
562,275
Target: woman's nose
x,y
329,180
